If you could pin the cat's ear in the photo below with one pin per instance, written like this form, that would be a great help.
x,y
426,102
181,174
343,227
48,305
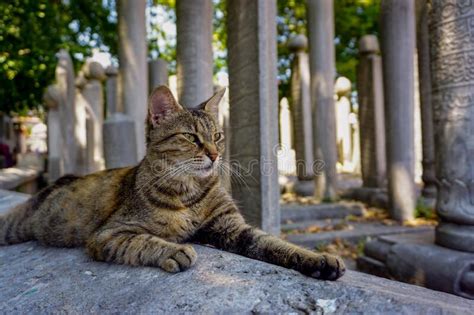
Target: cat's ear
x,y
161,105
212,104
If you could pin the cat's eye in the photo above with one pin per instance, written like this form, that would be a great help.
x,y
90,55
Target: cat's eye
x,y
218,136
192,138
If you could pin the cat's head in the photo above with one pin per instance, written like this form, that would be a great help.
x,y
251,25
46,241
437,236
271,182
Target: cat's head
x,y
188,142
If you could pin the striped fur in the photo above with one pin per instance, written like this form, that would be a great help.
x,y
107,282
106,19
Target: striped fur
x,y
148,214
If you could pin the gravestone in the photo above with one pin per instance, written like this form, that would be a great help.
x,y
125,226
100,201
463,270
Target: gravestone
x,y
94,97
111,91
371,113
119,141
55,163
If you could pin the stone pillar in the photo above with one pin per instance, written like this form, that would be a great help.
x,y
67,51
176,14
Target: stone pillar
x,y
301,108
254,109
133,65
81,106
452,51
398,51
322,65
111,91
371,113
157,73
94,96
343,90
194,51
66,87
119,141
55,163
424,74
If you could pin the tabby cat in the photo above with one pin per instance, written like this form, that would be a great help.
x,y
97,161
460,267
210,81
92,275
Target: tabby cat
x,y
148,214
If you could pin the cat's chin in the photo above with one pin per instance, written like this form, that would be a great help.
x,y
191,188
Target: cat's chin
x,y
204,172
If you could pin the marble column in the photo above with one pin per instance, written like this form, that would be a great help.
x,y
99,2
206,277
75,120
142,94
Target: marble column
x,y
133,65
371,113
194,51
452,52
301,109
252,60
157,73
424,74
322,65
111,91
398,50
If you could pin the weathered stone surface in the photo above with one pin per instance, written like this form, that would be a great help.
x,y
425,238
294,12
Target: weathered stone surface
x,y
253,93
398,50
452,48
322,65
34,279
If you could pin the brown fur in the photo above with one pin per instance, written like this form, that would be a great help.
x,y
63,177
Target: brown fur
x,y
147,214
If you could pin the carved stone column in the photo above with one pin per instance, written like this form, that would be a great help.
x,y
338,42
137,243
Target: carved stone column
x,y
428,146
301,109
398,50
323,68
371,113
254,109
452,65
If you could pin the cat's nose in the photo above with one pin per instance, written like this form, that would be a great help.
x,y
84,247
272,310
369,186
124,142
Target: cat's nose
x,y
213,156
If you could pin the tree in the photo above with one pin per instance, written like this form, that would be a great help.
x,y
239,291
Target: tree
x,y
32,32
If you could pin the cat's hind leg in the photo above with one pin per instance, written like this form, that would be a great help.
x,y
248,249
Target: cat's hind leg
x,y
125,246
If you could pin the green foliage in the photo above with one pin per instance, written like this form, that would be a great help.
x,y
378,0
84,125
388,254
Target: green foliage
x,y
32,32
424,210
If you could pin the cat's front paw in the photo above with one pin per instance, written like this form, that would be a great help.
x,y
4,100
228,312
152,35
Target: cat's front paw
x,y
324,267
179,259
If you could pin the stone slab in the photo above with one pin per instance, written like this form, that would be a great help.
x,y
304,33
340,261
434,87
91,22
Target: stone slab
x,y
9,199
34,279
360,232
295,212
13,177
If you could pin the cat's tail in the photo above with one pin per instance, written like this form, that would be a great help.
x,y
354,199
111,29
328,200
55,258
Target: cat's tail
x,y
14,225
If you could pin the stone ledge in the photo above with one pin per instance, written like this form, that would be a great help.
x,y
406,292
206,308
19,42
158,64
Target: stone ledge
x,y
34,279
